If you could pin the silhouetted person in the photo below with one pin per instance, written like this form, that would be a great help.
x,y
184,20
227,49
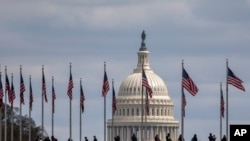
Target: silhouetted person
x,y
86,139
214,138
194,138
117,138
157,138
180,138
46,139
133,138
95,139
70,139
168,138
53,138
224,138
210,137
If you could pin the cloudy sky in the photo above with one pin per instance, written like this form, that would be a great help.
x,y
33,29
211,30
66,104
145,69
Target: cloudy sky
x,y
88,32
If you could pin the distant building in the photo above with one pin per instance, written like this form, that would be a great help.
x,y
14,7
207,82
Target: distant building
x,y
128,117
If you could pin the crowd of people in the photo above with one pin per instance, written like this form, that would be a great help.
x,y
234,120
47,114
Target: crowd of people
x,y
211,137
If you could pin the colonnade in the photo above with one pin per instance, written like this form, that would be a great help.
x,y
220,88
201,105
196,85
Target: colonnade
x,y
125,132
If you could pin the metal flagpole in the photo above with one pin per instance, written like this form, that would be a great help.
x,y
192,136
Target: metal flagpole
x,y
146,112
1,106
52,111
30,112
220,111
70,114
182,106
112,127
20,104
80,111
42,104
5,108
12,91
227,100
142,112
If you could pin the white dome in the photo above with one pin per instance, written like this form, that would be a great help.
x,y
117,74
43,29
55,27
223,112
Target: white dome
x,y
132,84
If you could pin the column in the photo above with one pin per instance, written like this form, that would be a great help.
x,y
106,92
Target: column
x,y
150,133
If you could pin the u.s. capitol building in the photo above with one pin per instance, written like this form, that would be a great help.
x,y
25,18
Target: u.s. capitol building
x,y
128,119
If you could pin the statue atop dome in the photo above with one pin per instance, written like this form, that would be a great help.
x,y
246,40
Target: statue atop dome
x,y
143,44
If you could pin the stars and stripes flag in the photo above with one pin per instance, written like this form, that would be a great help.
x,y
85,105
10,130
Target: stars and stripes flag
x,y
12,95
234,80
105,86
44,87
184,103
222,103
188,83
70,85
146,84
1,92
7,82
114,102
82,98
22,88
31,96
53,97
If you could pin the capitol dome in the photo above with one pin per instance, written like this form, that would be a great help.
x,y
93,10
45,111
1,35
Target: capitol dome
x,y
130,116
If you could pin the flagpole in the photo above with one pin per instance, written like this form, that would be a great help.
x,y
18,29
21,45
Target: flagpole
x,y
80,112
30,113
105,109
52,112
21,98
1,107
142,112
112,127
12,90
5,108
70,114
227,100
146,112
220,110
182,106
42,104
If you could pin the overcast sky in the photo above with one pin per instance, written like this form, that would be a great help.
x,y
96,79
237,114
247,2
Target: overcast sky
x,y
88,32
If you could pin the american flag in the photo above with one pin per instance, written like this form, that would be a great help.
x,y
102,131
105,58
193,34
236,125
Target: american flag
x,y
53,97
12,95
222,103
44,86
184,102
114,102
146,84
7,82
22,88
188,83
70,85
1,91
234,80
31,96
82,98
105,87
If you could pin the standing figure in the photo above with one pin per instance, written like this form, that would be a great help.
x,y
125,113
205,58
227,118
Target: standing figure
x,y
157,138
180,138
168,138
210,137
194,138
224,138
95,139
133,138
86,139
214,138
